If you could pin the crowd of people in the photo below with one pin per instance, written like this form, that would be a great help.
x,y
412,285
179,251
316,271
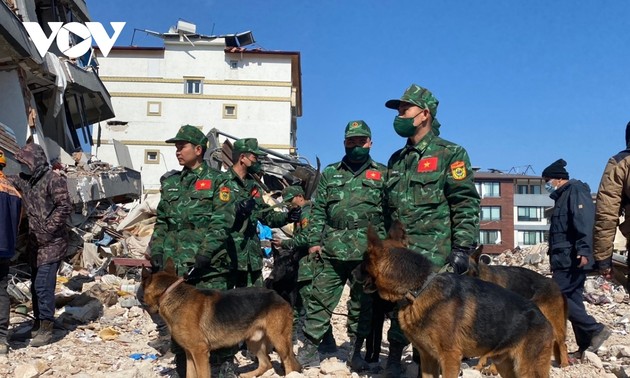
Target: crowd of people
x,y
207,224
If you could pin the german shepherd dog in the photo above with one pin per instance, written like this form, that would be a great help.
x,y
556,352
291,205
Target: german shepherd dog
x,y
543,291
447,317
202,321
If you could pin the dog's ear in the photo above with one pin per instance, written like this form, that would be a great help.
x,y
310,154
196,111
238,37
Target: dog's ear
x,y
476,253
145,272
169,267
397,232
374,241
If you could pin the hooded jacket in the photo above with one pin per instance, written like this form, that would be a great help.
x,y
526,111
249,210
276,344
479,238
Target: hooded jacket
x,y
613,199
571,228
47,203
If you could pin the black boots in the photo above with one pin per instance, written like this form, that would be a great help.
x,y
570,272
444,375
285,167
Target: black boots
x,y
44,335
328,345
356,362
393,368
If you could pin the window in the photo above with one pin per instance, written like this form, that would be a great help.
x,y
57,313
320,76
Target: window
x,y
154,108
233,64
489,237
194,86
488,189
490,213
528,189
530,214
229,111
531,237
152,156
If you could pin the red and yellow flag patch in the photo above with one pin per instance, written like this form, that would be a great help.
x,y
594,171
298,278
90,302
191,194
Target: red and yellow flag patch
x,y
429,164
372,175
203,185
458,170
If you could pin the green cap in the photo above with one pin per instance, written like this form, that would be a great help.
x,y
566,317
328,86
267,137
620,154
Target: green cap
x,y
247,145
418,96
291,191
190,134
357,128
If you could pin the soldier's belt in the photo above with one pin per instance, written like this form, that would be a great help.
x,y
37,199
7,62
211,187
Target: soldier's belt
x,y
183,226
353,224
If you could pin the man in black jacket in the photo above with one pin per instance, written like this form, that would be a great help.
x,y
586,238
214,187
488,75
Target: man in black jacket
x,y
571,250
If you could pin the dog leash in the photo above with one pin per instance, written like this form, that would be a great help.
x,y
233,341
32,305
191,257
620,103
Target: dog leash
x,y
170,288
411,295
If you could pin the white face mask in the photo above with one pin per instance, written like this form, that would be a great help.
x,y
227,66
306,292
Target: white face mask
x,y
550,187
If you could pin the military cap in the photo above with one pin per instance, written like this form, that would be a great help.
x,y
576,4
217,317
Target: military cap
x,y
190,134
357,128
418,96
3,160
291,191
247,145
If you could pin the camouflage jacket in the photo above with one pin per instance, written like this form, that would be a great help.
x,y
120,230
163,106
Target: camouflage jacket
x,y
188,220
430,189
47,203
345,203
299,243
243,243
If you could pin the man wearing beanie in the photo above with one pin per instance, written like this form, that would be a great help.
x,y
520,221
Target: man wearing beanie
x,y
613,198
570,251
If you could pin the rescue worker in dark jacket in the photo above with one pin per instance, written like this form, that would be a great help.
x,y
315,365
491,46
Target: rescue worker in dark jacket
x,y
571,250
47,202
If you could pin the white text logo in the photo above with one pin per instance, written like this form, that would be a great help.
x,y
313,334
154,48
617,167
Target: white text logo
x,y
62,32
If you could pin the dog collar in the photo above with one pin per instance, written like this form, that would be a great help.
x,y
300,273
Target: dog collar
x,y
411,295
170,288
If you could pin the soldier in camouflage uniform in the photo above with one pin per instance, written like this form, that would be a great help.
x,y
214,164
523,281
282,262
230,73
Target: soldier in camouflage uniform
x,y
349,197
298,245
242,198
430,189
190,227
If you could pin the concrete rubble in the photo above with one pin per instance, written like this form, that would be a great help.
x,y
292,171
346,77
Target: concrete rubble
x,y
101,331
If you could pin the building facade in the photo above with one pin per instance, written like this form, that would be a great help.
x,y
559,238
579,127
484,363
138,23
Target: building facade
x,y
205,81
512,210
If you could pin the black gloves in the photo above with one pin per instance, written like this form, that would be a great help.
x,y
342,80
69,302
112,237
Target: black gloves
x,y
157,263
458,259
202,262
245,208
294,214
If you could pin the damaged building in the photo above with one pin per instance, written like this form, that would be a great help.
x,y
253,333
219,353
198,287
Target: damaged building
x,y
53,100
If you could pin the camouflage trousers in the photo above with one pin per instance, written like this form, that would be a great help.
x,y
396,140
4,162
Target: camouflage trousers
x,y
329,279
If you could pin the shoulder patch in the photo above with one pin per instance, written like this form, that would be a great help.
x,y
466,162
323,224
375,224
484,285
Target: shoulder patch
x,y
458,170
304,222
224,194
255,192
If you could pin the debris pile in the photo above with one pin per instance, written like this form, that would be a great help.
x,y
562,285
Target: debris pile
x,y
102,331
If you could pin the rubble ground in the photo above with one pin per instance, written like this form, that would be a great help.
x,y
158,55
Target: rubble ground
x,y
108,337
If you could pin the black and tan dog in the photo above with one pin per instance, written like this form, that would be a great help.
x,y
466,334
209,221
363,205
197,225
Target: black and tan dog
x,y
202,321
448,317
543,291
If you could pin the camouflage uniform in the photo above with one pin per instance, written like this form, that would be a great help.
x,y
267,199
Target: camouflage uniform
x,y
191,224
430,189
346,202
188,224
243,243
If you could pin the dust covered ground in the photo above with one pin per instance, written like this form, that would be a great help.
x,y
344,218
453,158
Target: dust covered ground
x,y
114,343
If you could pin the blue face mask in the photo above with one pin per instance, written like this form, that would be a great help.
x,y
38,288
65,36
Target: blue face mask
x,y
550,188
